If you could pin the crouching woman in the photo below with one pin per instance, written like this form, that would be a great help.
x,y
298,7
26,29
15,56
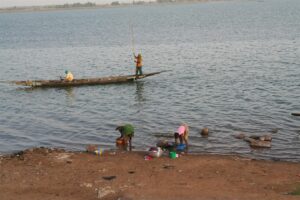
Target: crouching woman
x,y
127,133
182,134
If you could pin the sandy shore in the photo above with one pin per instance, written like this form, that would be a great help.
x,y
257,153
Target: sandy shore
x,y
56,174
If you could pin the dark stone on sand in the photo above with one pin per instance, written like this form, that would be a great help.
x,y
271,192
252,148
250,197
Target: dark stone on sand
x,y
168,166
109,178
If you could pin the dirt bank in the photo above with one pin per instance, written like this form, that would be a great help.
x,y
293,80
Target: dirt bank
x,y
56,174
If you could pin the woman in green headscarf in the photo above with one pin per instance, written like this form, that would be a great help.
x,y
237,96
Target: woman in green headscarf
x,y
127,133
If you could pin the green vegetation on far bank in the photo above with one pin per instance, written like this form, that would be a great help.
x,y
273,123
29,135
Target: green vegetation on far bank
x,y
48,7
93,5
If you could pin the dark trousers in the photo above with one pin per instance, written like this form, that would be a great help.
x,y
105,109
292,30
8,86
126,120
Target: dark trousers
x,y
138,71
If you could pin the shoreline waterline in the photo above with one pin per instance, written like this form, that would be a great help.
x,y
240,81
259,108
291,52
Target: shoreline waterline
x,y
113,175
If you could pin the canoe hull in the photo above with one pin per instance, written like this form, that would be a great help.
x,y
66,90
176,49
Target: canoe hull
x,y
83,82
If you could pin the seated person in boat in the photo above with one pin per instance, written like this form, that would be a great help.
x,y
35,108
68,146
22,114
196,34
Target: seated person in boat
x,y
138,60
182,134
127,133
69,76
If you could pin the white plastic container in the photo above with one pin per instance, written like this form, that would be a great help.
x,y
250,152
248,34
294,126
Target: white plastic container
x,y
155,152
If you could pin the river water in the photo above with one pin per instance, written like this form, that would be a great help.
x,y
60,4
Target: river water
x,y
234,67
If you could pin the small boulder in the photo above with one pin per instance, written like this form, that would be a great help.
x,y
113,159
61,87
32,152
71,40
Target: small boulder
x,y
240,136
258,143
266,138
204,132
255,137
262,138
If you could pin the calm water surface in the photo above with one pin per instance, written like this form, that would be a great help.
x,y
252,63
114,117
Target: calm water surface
x,y
235,67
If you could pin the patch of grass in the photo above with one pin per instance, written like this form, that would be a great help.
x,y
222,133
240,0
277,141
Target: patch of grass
x,y
296,192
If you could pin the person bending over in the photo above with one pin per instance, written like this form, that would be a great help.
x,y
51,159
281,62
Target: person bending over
x,y
127,133
182,134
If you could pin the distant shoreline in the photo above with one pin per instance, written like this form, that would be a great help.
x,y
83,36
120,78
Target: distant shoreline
x,y
42,8
95,6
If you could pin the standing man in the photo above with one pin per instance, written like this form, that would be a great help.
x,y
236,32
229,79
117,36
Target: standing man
x,y
138,60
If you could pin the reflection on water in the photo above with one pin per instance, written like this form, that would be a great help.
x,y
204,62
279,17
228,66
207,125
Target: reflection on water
x,y
231,72
139,92
27,89
68,92
70,96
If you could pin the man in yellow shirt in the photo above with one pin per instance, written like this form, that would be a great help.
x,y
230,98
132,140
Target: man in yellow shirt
x,y
69,76
138,60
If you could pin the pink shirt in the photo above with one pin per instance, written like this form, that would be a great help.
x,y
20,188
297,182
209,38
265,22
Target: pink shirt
x,y
181,130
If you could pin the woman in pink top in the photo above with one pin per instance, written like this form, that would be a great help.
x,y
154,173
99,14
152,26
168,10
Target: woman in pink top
x,y
183,134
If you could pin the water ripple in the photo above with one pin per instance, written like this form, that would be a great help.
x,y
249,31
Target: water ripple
x,y
230,71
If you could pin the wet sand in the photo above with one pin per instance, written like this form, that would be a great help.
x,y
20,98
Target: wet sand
x,y
56,174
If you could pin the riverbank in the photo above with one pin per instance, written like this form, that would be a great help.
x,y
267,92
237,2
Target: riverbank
x,y
56,174
77,6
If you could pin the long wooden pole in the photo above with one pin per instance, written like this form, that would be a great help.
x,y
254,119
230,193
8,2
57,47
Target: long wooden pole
x,y
132,38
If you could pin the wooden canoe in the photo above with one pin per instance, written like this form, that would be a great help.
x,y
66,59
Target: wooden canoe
x,y
296,114
82,82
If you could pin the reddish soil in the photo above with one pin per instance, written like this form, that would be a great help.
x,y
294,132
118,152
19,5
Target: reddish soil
x,y
55,174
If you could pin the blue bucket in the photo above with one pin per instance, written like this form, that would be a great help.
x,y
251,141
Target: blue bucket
x,y
180,147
